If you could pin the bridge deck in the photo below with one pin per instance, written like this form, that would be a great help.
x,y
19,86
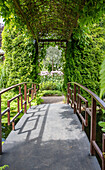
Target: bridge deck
x,y
49,137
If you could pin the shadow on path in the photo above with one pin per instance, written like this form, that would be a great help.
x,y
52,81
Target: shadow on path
x,y
49,137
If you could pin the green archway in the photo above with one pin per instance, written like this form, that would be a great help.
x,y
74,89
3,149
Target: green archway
x,y
51,18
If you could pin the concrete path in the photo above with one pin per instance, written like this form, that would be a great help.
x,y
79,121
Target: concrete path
x,y
53,99
49,137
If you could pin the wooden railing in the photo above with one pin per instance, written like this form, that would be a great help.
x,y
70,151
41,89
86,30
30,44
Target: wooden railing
x,y
75,98
19,98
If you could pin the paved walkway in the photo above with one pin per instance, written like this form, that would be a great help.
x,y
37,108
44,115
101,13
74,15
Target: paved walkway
x,y
49,137
53,99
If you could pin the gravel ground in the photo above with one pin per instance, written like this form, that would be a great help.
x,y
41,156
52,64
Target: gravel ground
x,y
53,99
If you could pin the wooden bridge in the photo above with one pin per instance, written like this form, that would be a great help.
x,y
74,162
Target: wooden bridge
x,y
50,136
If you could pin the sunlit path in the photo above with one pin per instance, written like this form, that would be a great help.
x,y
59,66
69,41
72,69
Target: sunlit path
x,y
53,99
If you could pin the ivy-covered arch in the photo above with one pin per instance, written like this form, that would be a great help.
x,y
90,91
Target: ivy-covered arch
x,y
51,20
54,18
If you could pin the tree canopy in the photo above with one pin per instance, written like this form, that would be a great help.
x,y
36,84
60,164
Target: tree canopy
x,y
53,60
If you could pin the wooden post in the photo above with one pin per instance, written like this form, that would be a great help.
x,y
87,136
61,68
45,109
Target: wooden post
x,y
13,125
86,115
8,105
21,97
79,105
82,126
68,90
74,98
25,98
18,104
93,126
78,97
0,129
32,92
103,150
35,90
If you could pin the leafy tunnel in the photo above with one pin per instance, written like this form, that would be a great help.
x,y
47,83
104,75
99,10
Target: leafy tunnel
x,y
33,22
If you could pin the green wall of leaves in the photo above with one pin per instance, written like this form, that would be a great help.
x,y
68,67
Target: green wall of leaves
x,y
85,53
20,65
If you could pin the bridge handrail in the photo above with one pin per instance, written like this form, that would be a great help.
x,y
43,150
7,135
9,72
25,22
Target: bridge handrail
x,y
16,85
101,102
75,99
33,90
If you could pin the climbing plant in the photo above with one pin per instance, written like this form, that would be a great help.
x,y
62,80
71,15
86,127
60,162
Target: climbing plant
x,y
58,18
19,50
85,53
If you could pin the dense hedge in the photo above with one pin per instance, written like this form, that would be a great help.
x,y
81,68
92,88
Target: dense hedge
x,y
84,56
19,50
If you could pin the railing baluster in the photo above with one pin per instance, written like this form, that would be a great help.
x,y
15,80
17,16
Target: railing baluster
x,y
21,97
68,93
93,126
78,97
18,104
35,90
86,115
103,150
0,129
32,92
79,105
74,98
31,96
8,105
25,98
13,125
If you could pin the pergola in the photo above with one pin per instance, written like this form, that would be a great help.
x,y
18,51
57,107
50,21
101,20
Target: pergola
x,y
54,19
49,17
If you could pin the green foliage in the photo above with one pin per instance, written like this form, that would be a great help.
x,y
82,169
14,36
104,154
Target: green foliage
x,y
102,78
51,93
38,99
53,59
85,52
6,130
4,167
102,124
52,85
19,50
57,18
101,37
2,75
